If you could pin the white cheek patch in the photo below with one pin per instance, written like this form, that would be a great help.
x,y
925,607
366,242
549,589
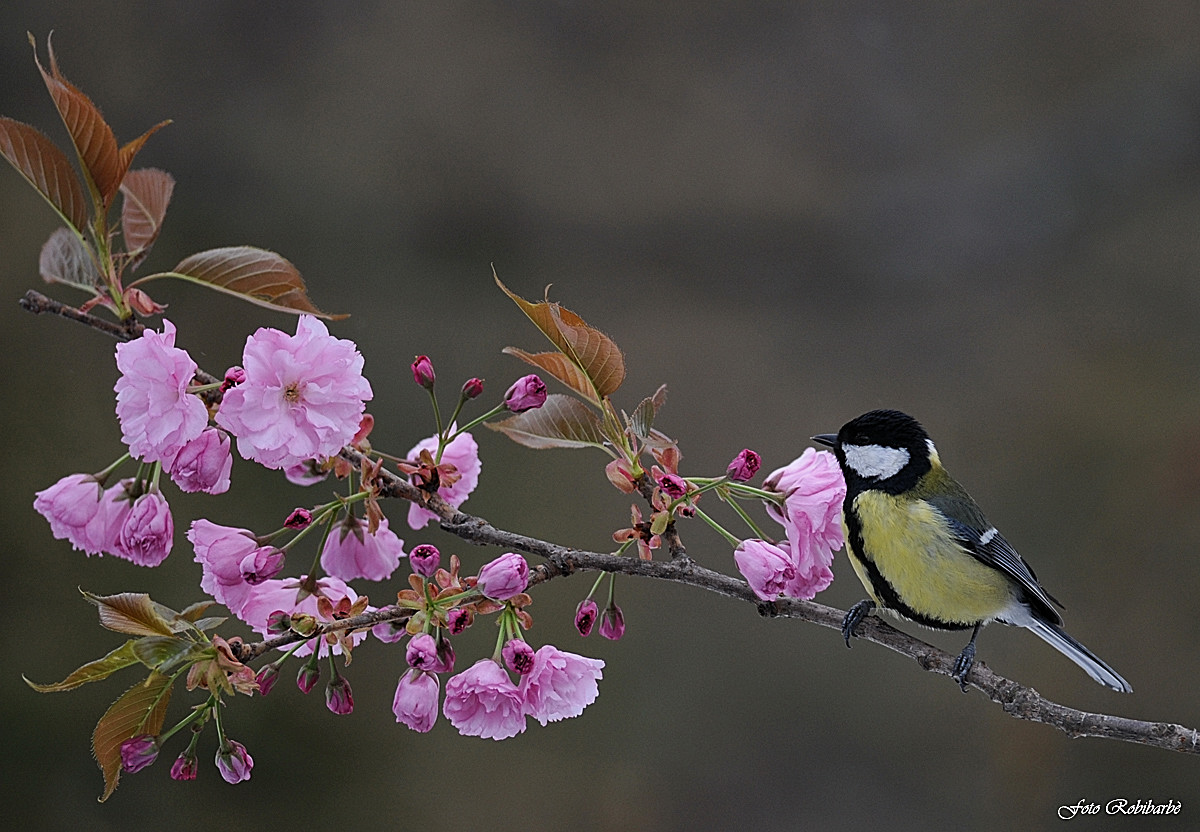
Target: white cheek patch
x,y
875,461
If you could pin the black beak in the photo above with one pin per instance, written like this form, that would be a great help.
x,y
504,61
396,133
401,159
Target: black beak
x,y
829,439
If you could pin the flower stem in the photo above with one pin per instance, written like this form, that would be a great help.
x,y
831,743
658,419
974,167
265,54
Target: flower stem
x,y
730,538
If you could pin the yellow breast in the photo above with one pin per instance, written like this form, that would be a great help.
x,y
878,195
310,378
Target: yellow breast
x,y
910,545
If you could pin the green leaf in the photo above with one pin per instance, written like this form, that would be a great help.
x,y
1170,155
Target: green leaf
x,y
123,656
210,622
166,653
193,611
254,274
47,169
65,259
589,350
140,710
562,422
134,613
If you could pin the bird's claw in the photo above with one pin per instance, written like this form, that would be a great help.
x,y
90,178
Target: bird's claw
x,y
854,617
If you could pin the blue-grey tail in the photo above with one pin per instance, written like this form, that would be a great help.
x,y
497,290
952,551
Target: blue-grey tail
x,y
1092,664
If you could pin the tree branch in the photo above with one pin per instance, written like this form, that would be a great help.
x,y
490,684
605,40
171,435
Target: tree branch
x,y
1017,700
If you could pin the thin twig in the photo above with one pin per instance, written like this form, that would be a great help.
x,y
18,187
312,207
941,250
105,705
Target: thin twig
x,y
1016,699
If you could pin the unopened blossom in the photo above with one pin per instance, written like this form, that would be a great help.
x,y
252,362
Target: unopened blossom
x,y
157,414
744,466
463,453
266,677
74,508
351,551
233,377
612,623
221,551
527,393
422,370
560,685
303,396
416,701
425,560
518,656
673,485
421,652
300,518
504,577
483,702
458,620
585,616
234,762
262,564
308,675
185,767
472,388
338,696
203,463
766,567
147,532
138,752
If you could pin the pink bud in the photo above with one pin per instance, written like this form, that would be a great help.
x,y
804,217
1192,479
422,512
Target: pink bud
x,y
744,466
422,370
263,563
518,656
234,762
416,700
504,577
233,377
528,393
146,535
585,616
472,388
278,622
421,652
458,620
307,678
138,752
266,677
612,623
425,560
672,485
185,767
445,654
203,464
300,518
338,696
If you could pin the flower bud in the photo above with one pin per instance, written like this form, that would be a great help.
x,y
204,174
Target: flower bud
x,y
458,620
585,616
421,652
518,656
504,577
672,485
266,677
263,563
203,464
744,466
416,700
233,377
422,370
445,655
528,393
425,560
309,674
185,767
138,752
300,518
147,533
472,388
612,623
338,696
234,762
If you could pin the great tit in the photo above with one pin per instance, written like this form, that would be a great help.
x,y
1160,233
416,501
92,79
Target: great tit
x,y
924,550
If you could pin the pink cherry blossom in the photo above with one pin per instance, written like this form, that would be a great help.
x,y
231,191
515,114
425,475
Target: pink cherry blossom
x,y
463,454
157,414
203,464
504,577
234,762
483,702
221,550
560,685
813,491
147,533
303,396
767,568
813,566
74,508
416,700
527,393
280,594
352,552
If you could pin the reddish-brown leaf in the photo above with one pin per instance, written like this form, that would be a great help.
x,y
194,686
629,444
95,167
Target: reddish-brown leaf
x,y
147,193
130,149
65,259
93,138
562,422
133,613
46,168
561,367
140,710
254,274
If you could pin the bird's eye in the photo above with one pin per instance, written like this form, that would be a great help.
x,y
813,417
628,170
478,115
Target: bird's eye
x,y
862,439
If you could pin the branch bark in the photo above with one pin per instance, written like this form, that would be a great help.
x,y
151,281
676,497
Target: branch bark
x,y
1016,699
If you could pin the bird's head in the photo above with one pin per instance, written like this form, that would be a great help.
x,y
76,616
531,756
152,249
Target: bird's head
x,y
882,446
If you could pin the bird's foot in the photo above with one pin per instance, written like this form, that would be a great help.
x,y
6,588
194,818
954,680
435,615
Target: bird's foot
x,y
853,618
963,664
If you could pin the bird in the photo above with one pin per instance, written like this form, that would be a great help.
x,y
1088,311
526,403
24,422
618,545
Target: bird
x,y
925,552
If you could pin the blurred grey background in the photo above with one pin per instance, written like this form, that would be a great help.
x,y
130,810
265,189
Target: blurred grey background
x,y
984,214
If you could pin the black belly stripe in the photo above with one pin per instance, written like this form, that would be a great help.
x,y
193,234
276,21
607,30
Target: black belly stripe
x,y
883,588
